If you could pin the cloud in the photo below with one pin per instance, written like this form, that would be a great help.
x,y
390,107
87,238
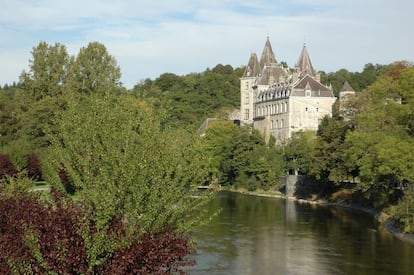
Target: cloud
x,y
151,37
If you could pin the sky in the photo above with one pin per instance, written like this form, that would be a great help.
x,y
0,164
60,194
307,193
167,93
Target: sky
x,y
151,37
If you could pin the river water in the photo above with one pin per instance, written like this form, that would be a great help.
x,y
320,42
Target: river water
x,y
261,235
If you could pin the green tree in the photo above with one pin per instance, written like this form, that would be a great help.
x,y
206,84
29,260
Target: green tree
x,y
216,142
47,71
381,145
192,98
94,70
121,164
329,162
238,157
298,152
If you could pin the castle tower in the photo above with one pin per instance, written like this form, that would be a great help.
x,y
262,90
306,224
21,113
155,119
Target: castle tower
x,y
272,72
345,94
304,65
247,85
268,57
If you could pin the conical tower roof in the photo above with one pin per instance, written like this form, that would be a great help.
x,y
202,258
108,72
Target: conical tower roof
x,y
253,67
347,87
304,64
268,57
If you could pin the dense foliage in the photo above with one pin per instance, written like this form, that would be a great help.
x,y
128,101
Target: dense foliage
x,y
240,158
122,164
192,98
358,80
43,238
372,147
70,123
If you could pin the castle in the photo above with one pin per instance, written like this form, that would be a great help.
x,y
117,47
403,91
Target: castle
x,y
279,101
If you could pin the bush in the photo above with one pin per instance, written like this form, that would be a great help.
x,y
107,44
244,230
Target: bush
x,y
6,166
44,238
33,167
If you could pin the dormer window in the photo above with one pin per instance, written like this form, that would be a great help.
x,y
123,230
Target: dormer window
x,y
308,91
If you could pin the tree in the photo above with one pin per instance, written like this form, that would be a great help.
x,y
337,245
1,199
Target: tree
x,y
216,142
192,98
236,156
94,70
381,145
298,153
329,162
122,165
47,71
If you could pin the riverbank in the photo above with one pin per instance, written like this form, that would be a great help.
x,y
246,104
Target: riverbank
x,y
381,217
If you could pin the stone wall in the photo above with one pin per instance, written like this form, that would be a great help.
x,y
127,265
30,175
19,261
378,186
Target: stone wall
x,y
298,186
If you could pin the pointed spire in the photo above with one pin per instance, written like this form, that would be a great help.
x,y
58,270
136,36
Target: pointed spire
x,y
347,87
304,64
253,67
268,57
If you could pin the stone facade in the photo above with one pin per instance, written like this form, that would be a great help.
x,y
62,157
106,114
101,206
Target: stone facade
x,y
279,101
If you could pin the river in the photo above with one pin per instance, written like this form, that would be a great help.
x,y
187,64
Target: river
x,y
262,235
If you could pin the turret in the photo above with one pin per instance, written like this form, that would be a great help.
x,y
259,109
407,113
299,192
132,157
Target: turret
x,y
268,57
304,64
253,67
247,84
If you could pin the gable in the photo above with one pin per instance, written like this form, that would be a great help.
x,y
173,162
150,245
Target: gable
x,y
308,82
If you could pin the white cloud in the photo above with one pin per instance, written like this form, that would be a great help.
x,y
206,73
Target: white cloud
x,y
151,37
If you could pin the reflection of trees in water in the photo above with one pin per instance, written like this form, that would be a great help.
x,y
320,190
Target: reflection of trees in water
x,y
264,235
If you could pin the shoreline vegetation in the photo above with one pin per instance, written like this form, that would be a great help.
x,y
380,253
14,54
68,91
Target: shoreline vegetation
x,y
381,217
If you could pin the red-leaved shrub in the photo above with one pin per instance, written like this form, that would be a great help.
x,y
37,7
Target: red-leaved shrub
x,y
33,167
6,166
28,226
54,227
158,253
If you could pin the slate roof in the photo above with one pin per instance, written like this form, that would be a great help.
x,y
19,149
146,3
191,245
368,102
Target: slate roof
x,y
308,82
304,63
347,87
273,74
268,57
253,67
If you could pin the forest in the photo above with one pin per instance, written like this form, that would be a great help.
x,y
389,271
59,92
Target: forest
x,y
119,167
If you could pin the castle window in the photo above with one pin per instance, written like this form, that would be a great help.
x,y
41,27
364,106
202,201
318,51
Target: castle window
x,y
246,98
308,93
281,123
246,114
286,107
277,123
247,85
317,109
306,109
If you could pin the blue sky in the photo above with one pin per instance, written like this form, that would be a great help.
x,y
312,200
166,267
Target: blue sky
x,y
149,37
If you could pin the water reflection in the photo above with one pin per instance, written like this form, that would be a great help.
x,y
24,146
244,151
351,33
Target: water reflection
x,y
258,235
